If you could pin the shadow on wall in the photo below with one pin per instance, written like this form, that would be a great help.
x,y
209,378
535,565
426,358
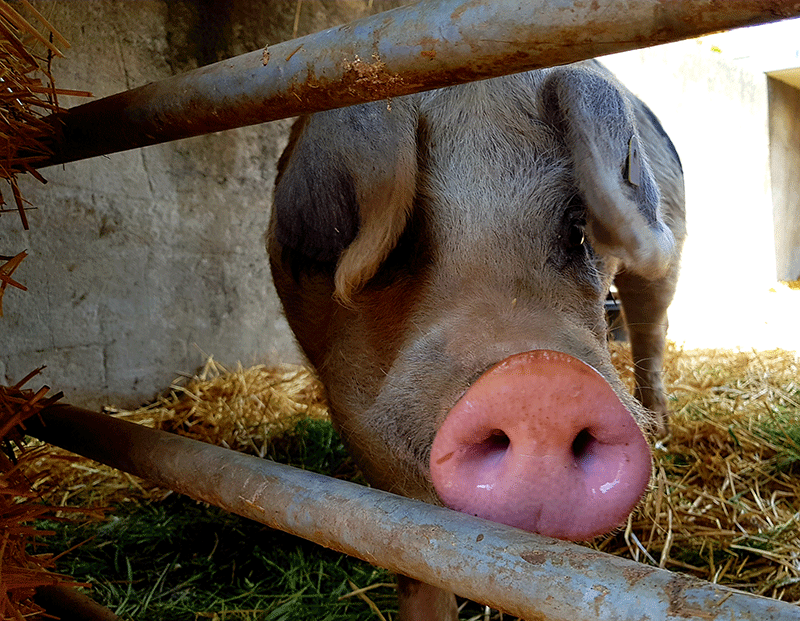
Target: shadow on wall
x,y
143,263
784,145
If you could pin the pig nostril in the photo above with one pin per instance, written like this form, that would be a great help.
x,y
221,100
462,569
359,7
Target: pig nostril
x,y
541,442
582,445
497,440
493,446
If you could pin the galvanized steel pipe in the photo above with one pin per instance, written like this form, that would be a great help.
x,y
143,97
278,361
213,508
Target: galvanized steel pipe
x,y
519,573
413,48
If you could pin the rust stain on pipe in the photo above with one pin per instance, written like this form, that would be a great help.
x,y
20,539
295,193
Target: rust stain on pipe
x,y
519,573
417,47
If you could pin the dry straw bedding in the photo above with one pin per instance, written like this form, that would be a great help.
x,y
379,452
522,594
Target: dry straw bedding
x,y
725,500
24,567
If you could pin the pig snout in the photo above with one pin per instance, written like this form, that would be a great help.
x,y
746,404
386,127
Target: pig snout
x,y
541,442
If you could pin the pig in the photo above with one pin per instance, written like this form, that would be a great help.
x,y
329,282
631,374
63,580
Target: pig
x,y
443,260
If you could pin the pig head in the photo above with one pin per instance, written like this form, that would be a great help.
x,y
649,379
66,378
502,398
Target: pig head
x,y
443,260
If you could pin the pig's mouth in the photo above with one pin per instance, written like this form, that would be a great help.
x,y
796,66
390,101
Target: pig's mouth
x,y
541,442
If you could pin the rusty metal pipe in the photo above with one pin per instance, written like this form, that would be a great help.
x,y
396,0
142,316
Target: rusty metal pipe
x,y
413,48
519,573
67,604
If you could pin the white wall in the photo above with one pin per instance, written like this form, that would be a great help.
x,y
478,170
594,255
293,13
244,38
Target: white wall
x,y
717,113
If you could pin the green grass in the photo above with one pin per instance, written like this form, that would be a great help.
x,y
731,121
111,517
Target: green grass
x,y
782,430
184,560
180,559
314,445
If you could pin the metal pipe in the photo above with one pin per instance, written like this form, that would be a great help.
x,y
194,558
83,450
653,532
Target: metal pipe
x,y
519,573
67,604
413,48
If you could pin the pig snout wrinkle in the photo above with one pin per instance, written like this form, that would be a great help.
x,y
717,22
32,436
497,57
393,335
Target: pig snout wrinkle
x,y
541,442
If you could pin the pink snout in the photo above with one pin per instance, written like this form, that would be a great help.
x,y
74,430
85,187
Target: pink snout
x,y
541,442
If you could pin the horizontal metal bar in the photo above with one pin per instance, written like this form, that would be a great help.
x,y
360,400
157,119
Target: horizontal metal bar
x,y
67,604
409,49
519,573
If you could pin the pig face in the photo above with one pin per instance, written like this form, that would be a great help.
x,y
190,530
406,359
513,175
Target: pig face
x,y
443,259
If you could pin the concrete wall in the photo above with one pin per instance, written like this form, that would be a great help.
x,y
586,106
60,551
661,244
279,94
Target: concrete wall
x,y
784,130
142,263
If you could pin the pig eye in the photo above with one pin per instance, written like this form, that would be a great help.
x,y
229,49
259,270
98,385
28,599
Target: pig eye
x,y
574,223
576,235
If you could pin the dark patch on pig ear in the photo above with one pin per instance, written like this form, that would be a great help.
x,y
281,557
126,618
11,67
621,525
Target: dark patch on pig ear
x,y
315,201
596,120
345,187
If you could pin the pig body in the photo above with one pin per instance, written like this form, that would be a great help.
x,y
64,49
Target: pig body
x,y
443,259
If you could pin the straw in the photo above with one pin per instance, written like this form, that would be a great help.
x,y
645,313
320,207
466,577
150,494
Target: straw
x,y
27,95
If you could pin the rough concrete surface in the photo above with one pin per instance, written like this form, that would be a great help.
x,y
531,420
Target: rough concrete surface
x,y
143,263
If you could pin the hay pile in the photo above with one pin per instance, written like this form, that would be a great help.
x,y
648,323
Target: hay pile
x,y
23,569
240,409
725,502
27,95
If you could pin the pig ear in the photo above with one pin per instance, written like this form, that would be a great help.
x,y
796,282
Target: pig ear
x,y
611,168
345,188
